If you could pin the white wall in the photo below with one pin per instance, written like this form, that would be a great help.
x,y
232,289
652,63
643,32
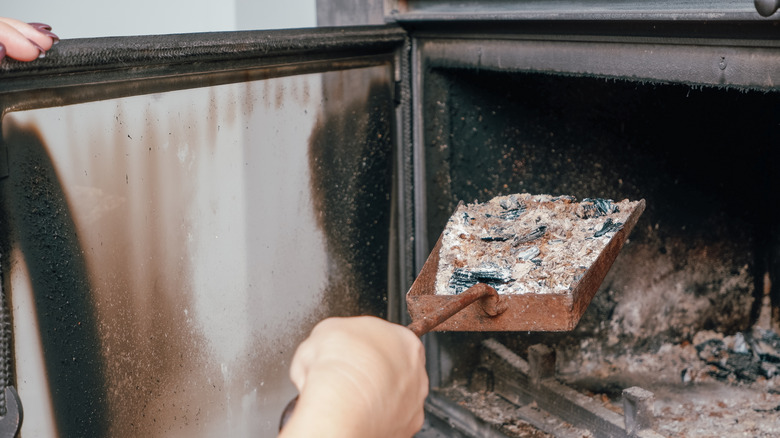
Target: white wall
x,y
95,18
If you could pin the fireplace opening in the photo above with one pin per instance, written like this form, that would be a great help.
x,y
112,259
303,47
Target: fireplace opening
x,y
696,283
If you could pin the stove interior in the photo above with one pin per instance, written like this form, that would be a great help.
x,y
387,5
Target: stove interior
x,y
690,308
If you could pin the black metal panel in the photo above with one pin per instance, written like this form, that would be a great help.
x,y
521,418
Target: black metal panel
x,y
690,62
493,10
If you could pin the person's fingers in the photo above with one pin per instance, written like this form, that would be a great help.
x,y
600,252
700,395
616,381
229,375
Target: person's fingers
x,y
299,368
39,37
25,41
417,423
17,46
46,30
357,368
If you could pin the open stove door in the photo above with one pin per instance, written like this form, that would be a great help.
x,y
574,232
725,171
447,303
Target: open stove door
x,y
180,210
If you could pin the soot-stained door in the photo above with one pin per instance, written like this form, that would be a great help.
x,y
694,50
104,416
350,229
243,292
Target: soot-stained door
x,y
178,215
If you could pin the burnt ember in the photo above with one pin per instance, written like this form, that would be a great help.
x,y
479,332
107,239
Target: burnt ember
x,y
538,233
489,273
513,208
751,355
592,208
609,227
714,384
497,234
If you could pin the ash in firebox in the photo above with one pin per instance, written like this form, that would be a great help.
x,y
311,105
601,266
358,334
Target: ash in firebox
x,y
713,386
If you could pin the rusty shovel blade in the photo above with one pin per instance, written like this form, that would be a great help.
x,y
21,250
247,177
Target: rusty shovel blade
x,y
553,311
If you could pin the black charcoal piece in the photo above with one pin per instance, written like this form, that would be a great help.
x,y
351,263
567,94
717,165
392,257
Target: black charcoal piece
x,y
489,273
533,235
742,362
593,208
603,206
771,358
744,366
494,238
511,215
711,350
497,234
609,227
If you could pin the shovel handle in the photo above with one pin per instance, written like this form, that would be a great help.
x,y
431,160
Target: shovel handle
x,y
490,302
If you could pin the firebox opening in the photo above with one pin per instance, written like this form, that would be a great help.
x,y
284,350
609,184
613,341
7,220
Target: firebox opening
x,y
701,156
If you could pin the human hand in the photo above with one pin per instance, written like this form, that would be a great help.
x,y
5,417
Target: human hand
x,y
358,377
25,41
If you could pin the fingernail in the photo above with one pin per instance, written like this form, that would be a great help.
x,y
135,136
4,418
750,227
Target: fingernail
x,y
2,51
40,49
46,30
40,26
54,38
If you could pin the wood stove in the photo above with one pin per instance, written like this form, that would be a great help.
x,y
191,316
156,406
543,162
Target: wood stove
x,y
179,210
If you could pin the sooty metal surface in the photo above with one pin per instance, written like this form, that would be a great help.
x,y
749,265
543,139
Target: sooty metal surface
x,y
154,225
496,10
122,59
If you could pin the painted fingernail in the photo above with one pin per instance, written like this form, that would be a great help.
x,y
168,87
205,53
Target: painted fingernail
x,y
40,49
46,30
2,51
40,26
54,38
